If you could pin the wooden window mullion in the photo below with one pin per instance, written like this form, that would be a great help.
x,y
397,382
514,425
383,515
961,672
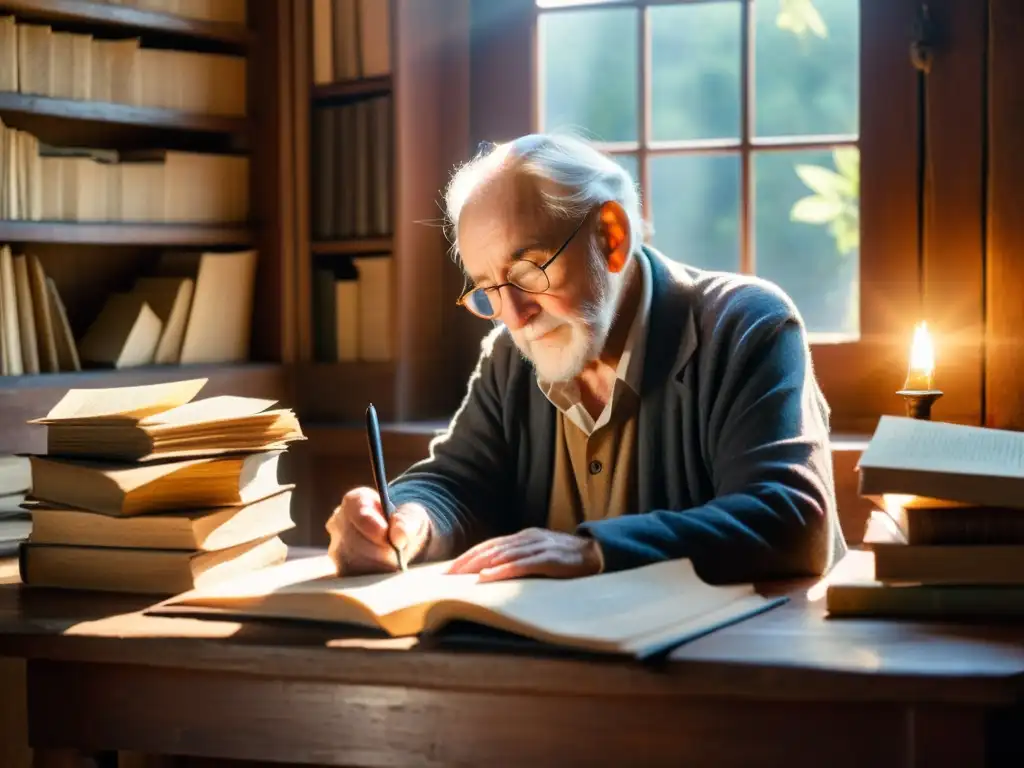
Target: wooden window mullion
x,y
747,263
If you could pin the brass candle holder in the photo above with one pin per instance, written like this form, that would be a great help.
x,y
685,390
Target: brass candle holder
x,y
918,402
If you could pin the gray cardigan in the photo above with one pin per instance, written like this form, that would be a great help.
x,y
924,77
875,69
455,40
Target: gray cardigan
x,y
734,464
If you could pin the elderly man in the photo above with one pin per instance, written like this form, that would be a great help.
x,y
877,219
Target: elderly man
x,y
625,409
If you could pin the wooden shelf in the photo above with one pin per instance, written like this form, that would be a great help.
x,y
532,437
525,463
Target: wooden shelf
x,y
124,18
119,114
352,90
217,374
115,233
355,246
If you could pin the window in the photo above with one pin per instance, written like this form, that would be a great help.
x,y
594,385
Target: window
x,y
739,121
774,137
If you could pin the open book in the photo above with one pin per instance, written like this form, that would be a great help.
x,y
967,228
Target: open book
x,y
643,612
943,463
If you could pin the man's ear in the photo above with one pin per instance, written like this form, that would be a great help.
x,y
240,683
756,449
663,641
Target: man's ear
x,y
614,235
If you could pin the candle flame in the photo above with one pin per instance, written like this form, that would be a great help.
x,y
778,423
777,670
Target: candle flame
x,y
922,353
922,360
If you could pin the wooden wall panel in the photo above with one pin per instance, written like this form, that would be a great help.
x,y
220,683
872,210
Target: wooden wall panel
x,y
431,104
272,177
1004,287
953,267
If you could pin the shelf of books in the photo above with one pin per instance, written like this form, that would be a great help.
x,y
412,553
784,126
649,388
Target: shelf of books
x,y
136,230
216,23
386,118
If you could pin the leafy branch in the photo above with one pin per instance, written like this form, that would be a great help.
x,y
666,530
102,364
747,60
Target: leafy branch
x,y
836,202
800,17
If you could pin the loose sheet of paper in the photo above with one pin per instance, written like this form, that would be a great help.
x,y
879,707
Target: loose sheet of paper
x,y
122,403
210,409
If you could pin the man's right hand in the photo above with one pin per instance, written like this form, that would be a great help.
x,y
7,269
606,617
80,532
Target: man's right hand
x,y
362,538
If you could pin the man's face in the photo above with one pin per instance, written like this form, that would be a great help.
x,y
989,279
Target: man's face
x,y
559,330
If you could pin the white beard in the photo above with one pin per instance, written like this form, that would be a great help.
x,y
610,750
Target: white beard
x,y
573,341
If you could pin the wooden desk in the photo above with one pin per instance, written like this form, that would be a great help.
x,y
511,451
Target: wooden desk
x,y
786,688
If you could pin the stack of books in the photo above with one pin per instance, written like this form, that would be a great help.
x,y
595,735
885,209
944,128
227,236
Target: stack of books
x,y
144,489
14,520
947,539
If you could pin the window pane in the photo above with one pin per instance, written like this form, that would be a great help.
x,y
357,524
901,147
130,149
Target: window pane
x,y
590,65
807,233
695,71
694,208
806,64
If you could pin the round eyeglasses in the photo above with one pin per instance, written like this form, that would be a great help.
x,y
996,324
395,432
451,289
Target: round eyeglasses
x,y
525,275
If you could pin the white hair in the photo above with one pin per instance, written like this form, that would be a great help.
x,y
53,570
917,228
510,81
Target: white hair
x,y
579,178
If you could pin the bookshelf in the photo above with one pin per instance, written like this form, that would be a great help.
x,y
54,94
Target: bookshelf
x,y
89,258
425,85
424,132
90,15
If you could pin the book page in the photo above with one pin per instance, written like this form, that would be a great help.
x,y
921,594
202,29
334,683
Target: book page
x,y
943,447
209,410
122,403
383,593
604,611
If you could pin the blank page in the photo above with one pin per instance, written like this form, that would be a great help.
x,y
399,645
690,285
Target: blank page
x,y
122,403
210,409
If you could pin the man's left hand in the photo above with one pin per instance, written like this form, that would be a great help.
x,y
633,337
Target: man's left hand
x,y
531,552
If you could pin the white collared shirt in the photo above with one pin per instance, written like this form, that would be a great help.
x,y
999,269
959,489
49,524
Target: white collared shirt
x,y
565,396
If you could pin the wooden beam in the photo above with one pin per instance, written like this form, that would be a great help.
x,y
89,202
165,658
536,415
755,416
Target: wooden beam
x,y
1004,263
271,180
952,272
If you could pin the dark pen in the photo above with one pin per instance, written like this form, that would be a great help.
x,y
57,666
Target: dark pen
x,y
379,477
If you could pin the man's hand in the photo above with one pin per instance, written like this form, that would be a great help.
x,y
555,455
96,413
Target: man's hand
x,y
361,537
531,552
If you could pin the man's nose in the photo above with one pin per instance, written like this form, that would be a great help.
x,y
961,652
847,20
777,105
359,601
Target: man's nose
x,y
517,308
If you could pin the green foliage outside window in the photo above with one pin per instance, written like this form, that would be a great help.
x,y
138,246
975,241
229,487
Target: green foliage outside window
x,y
836,202
804,78
801,18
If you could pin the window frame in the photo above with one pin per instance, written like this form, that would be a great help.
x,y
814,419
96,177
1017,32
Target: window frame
x,y
859,378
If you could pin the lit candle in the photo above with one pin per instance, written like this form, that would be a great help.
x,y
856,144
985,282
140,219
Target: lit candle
x,y
919,392
921,373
